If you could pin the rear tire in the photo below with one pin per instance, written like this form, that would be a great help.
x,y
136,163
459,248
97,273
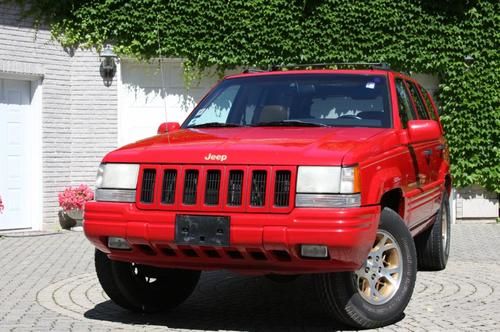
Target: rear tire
x,y
143,288
376,294
433,245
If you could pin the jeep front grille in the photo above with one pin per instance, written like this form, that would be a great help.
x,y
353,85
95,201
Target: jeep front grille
x,y
216,188
148,185
282,188
258,193
168,187
190,187
235,188
212,187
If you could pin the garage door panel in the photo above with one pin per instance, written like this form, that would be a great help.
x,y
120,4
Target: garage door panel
x,y
15,153
143,97
14,134
15,199
146,100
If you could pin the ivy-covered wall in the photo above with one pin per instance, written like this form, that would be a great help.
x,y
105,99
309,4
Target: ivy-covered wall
x,y
425,36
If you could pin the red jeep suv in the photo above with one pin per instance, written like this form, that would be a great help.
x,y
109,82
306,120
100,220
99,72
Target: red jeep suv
x,y
343,174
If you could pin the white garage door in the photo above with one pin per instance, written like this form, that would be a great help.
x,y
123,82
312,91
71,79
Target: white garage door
x,y
15,154
144,104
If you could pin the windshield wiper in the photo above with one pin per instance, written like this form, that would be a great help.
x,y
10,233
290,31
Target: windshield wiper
x,y
214,125
289,123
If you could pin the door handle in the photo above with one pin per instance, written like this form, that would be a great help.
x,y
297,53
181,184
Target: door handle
x,y
427,152
440,147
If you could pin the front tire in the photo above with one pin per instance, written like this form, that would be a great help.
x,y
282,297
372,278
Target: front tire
x,y
142,288
282,278
433,245
376,294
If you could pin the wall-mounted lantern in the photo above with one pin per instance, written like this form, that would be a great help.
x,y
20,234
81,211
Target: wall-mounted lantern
x,y
469,60
108,65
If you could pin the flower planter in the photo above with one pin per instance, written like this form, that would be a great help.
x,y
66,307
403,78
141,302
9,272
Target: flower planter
x,y
73,200
65,221
75,214
71,218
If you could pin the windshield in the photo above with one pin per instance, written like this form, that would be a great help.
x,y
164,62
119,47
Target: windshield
x,y
296,100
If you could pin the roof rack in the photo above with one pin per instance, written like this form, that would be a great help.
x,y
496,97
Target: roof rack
x,y
253,70
370,65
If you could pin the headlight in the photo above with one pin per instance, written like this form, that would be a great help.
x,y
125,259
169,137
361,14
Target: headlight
x,y
317,179
323,186
117,176
116,182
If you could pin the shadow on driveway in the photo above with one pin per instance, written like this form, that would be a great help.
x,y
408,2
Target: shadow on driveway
x,y
224,301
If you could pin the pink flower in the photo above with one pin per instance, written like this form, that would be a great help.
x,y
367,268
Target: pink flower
x,y
75,197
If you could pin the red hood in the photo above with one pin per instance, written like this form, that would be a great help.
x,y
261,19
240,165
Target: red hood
x,y
248,145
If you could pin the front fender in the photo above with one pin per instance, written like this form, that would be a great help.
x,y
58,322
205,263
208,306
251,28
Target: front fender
x,y
379,183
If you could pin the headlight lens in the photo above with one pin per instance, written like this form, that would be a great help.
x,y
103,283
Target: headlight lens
x,y
117,176
318,179
323,186
116,182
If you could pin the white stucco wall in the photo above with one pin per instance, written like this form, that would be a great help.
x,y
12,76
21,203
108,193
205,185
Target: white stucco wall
x,y
475,204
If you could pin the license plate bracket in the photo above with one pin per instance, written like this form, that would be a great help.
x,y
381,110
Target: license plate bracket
x,y
202,230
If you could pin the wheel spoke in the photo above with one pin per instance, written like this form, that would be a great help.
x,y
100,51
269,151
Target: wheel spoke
x,y
391,270
372,289
388,246
380,243
377,294
390,279
361,274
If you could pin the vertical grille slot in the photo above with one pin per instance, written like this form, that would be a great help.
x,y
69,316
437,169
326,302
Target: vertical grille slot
x,y
212,187
190,187
148,185
282,188
258,193
168,186
235,188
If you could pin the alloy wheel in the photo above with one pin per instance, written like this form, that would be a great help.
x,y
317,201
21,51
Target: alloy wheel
x,y
379,278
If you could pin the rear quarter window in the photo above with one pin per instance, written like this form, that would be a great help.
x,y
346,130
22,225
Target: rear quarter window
x,y
422,112
405,106
428,102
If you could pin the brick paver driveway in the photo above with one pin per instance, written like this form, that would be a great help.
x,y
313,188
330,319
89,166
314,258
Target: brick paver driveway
x,y
47,282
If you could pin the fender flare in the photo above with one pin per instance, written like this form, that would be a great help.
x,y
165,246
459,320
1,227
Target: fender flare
x,y
384,180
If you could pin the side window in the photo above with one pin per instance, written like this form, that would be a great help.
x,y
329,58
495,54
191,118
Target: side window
x,y
406,111
422,112
428,102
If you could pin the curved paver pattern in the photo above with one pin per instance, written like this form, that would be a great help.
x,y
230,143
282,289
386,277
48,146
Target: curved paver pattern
x,y
48,283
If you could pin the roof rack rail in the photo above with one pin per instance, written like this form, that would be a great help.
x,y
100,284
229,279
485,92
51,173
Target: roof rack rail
x,y
253,70
370,65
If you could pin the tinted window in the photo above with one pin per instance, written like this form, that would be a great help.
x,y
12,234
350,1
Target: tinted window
x,y
406,111
422,112
325,99
428,102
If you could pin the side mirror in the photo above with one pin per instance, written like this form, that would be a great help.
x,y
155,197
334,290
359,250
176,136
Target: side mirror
x,y
423,130
168,127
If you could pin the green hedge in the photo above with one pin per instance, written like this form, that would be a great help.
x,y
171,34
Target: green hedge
x,y
426,36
